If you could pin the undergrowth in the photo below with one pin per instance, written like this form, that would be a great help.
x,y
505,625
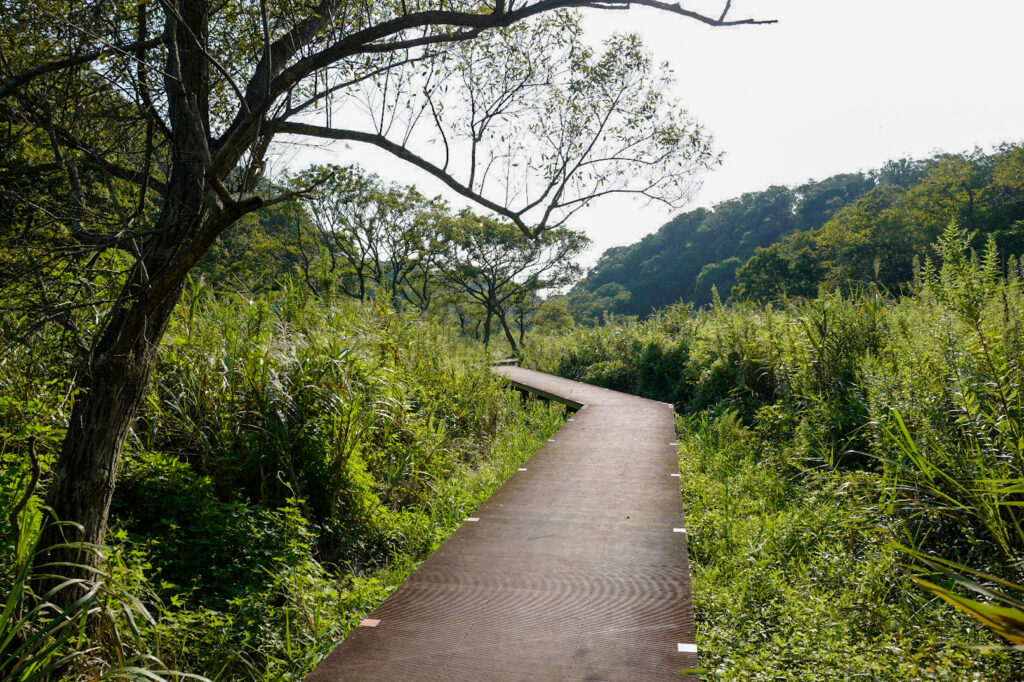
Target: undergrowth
x,y
294,461
836,454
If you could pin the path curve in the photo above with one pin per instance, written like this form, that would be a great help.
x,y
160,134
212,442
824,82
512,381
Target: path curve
x,y
575,569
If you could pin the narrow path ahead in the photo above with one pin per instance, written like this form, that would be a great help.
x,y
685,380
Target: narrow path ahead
x,y
576,569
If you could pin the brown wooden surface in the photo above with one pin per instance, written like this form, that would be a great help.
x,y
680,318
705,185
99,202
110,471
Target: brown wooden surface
x,y
575,570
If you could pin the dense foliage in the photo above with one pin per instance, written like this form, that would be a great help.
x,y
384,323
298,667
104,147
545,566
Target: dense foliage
x,y
876,239
703,248
845,231
293,462
831,450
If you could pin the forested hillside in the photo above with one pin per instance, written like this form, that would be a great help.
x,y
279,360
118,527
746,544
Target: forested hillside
x,y
847,230
877,239
704,247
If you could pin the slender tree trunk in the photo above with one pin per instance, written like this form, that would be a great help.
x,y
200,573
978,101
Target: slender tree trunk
x,y
508,332
487,326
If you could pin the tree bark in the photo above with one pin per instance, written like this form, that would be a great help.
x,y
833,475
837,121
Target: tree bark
x,y
508,332
109,394
116,373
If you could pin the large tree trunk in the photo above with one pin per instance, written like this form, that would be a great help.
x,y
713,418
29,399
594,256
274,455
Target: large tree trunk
x,y
108,397
110,391
115,375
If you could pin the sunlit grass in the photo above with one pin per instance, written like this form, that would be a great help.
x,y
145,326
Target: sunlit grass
x,y
294,462
834,450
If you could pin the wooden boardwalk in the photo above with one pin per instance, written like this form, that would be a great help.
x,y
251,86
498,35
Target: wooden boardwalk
x,y
576,569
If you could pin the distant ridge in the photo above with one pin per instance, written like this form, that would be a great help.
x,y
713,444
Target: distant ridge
x,y
851,228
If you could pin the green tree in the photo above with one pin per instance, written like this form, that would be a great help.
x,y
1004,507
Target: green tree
x,y
259,249
818,201
500,270
374,237
589,307
553,315
791,267
176,104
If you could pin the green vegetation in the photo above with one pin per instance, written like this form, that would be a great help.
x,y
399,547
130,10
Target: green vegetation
x,y
833,450
268,389
303,444
320,417
843,232
294,460
874,239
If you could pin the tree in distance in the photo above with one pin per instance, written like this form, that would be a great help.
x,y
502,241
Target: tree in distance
x,y
373,237
502,271
167,112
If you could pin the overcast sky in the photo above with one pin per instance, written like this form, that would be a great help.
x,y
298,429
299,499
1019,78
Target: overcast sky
x,y
835,86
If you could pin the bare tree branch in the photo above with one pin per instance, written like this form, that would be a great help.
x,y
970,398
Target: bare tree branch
x,y
403,153
29,75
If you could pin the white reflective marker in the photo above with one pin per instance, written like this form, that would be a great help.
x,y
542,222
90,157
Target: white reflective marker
x,y
686,648
678,530
674,475
472,519
522,468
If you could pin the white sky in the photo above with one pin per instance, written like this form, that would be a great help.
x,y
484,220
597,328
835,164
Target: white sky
x,y
835,86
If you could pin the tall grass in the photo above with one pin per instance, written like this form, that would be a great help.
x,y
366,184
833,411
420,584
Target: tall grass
x,y
834,449
81,628
795,575
294,461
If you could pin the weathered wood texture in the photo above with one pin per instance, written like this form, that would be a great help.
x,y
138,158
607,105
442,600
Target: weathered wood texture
x,y
576,569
